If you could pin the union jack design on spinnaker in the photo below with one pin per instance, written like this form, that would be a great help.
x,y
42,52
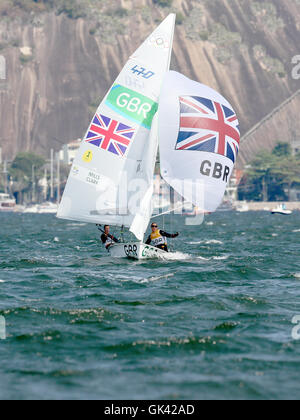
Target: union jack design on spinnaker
x,y
110,135
208,126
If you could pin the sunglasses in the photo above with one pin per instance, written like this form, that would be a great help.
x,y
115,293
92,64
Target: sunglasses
x,y
154,226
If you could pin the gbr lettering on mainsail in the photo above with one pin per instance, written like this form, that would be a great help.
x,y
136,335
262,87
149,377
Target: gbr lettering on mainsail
x,y
199,140
111,180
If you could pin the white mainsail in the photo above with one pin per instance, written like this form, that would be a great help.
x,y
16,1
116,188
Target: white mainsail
x,y
198,139
111,179
144,208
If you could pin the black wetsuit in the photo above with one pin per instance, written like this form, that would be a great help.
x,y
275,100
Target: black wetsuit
x,y
163,247
105,238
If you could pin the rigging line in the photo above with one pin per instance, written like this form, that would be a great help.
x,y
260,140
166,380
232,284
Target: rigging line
x,y
100,228
172,195
167,212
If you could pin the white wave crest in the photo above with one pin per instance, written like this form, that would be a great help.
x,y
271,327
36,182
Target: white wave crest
x,y
224,257
214,242
210,242
156,278
174,256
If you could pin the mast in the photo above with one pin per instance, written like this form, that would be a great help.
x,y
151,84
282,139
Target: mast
x,y
33,183
46,185
5,177
51,175
58,178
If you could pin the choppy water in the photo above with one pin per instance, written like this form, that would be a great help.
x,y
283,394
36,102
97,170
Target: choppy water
x,y
214,324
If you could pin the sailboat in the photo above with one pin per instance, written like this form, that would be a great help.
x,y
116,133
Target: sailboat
x,y
111,179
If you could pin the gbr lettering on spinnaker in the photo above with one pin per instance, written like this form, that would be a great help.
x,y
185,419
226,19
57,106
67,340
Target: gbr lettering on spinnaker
x,y
199,139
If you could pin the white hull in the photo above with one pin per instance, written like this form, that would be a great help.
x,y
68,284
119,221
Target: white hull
x,y
7,204
7,210
31,210
47,208
283,212
135,250
47,211
281,209
242,207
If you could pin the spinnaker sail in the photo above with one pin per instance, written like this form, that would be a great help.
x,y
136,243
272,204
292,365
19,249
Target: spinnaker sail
x,y
111,179
198,139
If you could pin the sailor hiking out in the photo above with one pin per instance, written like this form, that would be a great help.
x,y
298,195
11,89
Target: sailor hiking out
x,y
107,239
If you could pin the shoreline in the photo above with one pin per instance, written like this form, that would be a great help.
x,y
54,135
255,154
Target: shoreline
x,y
267,205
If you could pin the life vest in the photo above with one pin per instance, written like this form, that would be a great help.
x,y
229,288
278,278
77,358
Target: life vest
x,y
157,239
108,242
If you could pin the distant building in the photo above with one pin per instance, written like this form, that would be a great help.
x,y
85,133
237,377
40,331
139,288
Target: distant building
x,y
69,151
296,145
294,194
231,193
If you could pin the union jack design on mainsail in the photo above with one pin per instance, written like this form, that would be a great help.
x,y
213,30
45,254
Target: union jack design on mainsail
x,y
110,135
208,126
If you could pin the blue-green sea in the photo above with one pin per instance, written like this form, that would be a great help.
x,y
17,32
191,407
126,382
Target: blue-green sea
x,y
215,322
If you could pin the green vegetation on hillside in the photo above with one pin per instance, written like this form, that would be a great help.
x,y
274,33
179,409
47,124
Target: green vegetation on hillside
x,y
8,7
227,43
163,3
107,14
25,171
269,64
266,15
74,9
271,176
23,165
26,177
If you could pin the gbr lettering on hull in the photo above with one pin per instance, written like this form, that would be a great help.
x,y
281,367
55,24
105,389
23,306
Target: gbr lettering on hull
x,y
217,170
131,250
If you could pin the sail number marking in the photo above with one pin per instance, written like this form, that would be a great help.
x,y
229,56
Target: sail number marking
x,y
130,250
88,156
141,71
134,105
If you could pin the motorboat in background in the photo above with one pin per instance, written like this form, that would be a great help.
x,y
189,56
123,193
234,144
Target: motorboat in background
x,y
242,207
7,203
44,208
282,209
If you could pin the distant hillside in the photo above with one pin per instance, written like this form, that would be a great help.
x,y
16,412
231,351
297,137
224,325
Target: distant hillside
x,y
63,55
